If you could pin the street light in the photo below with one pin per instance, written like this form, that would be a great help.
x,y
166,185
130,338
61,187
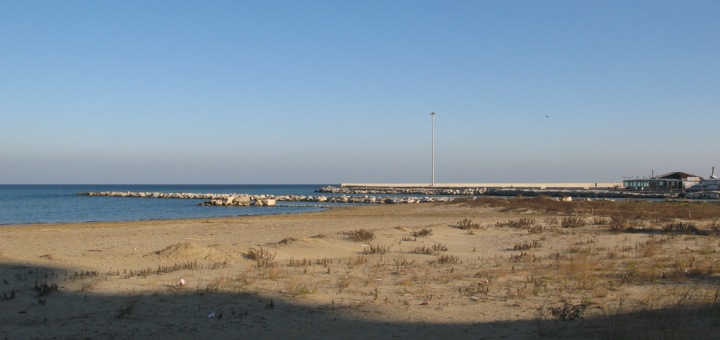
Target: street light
x,y
433,148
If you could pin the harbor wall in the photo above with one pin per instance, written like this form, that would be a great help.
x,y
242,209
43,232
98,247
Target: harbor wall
x,y
541,186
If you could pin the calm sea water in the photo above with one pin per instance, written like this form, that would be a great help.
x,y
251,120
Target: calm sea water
x,y
29,204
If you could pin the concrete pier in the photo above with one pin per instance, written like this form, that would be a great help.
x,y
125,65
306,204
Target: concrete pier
x,y
609,185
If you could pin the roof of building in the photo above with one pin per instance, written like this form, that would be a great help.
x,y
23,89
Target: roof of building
x,y
675,175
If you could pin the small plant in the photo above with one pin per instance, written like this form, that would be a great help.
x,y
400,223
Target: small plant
x,y
379,249
422,233
448,259
527,246
8,296
680,227
438,247
536,229
572,222
422,250
425,250
568,312
714,226
261,254
295,263
618,223
551,220
126,310
467,224
599,220
409,239
44,289
361,235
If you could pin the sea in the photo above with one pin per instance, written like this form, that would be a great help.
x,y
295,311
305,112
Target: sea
x,y
47,204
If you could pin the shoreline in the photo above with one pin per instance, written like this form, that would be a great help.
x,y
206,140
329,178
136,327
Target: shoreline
x,y
101,224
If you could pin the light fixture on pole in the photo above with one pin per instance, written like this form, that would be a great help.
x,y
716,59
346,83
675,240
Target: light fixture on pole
x,y
433,148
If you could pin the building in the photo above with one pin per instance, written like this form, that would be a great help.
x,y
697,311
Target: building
x,y
668,182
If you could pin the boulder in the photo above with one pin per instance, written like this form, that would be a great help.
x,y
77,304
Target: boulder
x,y
242,199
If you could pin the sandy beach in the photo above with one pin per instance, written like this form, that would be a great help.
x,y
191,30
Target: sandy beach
x,y
502,274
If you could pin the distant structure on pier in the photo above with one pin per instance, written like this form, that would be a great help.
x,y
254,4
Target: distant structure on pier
x,y
668,182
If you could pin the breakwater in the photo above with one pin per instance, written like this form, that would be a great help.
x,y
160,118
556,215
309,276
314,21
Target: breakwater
x,y
512,192
270,200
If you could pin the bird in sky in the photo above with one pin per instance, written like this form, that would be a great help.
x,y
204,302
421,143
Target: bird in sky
x,y
547,116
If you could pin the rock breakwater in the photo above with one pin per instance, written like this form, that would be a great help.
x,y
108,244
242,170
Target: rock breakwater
x,y
271,200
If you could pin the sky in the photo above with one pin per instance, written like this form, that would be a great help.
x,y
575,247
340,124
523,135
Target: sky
x,y
316,92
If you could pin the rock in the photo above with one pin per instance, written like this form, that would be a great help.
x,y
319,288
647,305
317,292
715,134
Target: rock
x,y
242,199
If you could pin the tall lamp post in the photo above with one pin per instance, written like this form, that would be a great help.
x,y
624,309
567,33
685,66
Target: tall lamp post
x,y
433,148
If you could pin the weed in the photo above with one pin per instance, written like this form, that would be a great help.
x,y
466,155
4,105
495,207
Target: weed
x,y
422,232
599,220
468,224
296,263
379,249
261,254
568,312
680,227
527,246
127,309
438,247
572,222
618,223
361,235
424,250
536,229
448,259
551,220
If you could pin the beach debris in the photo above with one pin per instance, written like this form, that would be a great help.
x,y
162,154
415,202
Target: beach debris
x,y
182,282
425,303
211,315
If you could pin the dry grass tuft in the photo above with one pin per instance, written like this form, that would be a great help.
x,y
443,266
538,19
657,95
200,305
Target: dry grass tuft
x,y
261,254
361,235
680,227
527,246
372,249
448,259
572,222
618,223
422,232
467,224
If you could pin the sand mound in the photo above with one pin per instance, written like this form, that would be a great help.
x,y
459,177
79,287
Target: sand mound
x,y
190,251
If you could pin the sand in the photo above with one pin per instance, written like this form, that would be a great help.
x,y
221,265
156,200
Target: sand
x,y
123,280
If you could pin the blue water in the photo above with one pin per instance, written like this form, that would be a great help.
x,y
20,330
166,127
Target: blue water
x,y
30,204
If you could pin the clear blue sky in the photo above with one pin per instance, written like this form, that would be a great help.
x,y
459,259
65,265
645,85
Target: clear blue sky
x,y
340,91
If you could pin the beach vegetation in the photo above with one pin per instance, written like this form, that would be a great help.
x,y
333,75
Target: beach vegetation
x,y
361,235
